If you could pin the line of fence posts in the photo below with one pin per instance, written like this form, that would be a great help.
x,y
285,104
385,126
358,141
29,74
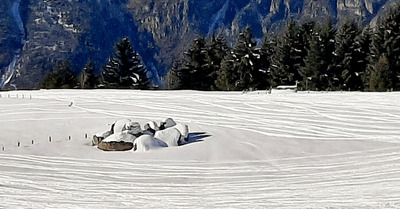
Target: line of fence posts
x,y
33,141
17,96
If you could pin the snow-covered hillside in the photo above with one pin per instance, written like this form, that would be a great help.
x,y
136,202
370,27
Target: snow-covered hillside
x,y
255,150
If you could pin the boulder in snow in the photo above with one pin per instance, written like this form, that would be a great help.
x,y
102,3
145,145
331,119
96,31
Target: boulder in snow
x,y
97,138
132,128
147,142
171,136
184,129
167,123
118,142
115,146
151,126
119,125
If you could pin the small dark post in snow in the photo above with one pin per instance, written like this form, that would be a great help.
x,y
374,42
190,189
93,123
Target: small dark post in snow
x,y
85,136
19,144
33,141
49,138
69,137
3,148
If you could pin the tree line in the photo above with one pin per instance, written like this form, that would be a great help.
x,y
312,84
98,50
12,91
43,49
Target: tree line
x,y
123,70
318,56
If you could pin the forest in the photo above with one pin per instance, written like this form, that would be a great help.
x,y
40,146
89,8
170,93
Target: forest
x,y
319,56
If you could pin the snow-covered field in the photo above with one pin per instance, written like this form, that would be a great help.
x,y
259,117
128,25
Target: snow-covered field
x,y
254,150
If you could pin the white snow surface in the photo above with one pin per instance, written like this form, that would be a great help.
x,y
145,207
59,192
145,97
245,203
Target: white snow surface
x,y
146,143
120,125
300,150
124,136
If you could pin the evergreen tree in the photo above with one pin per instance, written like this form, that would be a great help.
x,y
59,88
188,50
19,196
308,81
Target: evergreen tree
x,y
88,79
198,68
365,50
287,60
178,77
217,49
197,64
380,77
241,68
125,70
318,60
62,76
267,51
347,74
386,42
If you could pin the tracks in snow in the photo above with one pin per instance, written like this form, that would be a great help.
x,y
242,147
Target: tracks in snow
x,y
355,180
364,178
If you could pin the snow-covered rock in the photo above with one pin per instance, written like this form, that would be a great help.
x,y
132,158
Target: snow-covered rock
x,y
133,128
184,129
124,133
147,142
119,125
171,136
151,126
124,136
118,142
167,123
115,146
97,138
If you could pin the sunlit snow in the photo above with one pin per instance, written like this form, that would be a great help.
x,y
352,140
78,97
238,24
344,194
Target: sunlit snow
x,y
254,150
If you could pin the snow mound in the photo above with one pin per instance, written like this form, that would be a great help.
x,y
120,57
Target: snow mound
x,y
119,125
146,143
171,136
124,136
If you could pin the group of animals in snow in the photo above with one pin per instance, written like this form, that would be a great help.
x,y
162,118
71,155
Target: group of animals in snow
x,y
126,134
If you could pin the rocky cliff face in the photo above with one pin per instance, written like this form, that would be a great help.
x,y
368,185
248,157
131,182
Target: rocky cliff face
x,y
35,34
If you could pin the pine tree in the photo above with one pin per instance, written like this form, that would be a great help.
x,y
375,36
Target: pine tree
x,y
365,51
178,77
88,79
228,74
287,60
62,76
267,51
217,49
380,77
241,68
198,65
347,74
386,42
125,70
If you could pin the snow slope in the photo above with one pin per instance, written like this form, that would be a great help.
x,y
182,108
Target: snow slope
x,y
255,150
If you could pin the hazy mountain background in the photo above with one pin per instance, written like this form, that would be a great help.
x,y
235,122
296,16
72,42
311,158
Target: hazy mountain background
x,y
35,34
